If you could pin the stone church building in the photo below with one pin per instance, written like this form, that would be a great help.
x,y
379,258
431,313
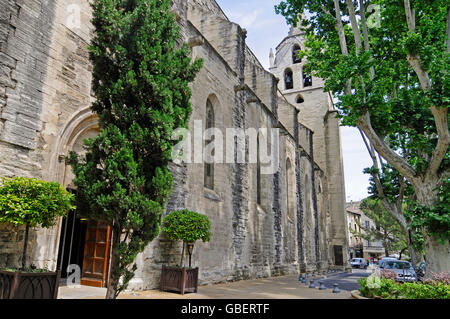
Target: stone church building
x,y
290,220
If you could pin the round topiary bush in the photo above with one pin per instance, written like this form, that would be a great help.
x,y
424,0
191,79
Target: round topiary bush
x,y
32,202
186,226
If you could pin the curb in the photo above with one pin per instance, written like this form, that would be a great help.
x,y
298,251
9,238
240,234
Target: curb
x,y
356,295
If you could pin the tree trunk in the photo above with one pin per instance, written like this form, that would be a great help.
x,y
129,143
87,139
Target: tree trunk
x,y
25,244
182,255
415,254
436,254
113,281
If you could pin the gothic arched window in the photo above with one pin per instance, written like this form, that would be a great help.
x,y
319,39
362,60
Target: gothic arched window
x,y
295,51
209,166
288,79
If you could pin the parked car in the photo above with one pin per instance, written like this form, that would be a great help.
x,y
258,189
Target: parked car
x,y
384,260
404,270
358,263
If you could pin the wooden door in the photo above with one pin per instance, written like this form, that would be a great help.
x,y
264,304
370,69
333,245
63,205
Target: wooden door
x,y
338,256
96,254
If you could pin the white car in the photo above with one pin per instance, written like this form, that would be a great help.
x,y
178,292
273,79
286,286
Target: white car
x,y
358,263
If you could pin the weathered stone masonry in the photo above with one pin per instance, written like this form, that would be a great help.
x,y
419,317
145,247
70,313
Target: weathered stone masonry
x,y
45,94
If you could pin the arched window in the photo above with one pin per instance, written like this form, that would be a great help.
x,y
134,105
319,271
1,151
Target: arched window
x,y
258,172
299,99
307,79
295,51
288,79
209,166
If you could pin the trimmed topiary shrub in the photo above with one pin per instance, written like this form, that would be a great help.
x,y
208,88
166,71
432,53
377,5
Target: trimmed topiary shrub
x,y
32,202
186,226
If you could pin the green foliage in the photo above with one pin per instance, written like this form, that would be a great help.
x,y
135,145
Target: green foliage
x,y
399,109
32,202
436,219
187,226
386,228
390,182
141,82
377,89
30,269
389,289
383,290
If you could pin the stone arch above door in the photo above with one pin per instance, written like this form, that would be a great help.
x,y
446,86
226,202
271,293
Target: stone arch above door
x,y
82,125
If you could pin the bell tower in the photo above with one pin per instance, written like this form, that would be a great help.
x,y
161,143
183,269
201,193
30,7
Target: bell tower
x,y
316,112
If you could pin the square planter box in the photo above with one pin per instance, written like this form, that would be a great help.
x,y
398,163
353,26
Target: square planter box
x,y
21,285
179,279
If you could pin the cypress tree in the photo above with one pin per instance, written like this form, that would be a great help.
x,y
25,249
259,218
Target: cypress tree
x,y
140,80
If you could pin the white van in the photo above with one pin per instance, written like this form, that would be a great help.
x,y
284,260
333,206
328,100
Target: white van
x,y
358,263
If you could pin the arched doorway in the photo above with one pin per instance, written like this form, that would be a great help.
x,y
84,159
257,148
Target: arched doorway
x,y
82,242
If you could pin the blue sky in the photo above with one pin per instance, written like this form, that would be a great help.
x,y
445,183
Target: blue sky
x,y
265,30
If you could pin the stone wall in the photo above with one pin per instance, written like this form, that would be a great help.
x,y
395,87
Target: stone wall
x,y
250,239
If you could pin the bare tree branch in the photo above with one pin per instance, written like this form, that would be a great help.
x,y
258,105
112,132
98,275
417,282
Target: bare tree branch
x,y
392,209
409,16
362,13
398,162
424,78
441,120
355,27
342,40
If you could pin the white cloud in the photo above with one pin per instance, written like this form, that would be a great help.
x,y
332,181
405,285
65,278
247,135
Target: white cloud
x,y
246,20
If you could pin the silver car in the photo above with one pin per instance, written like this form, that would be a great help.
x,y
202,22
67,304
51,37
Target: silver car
x,y
404,270
385,260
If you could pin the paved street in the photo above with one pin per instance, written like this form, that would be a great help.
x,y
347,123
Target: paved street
x,y
346,281
286,287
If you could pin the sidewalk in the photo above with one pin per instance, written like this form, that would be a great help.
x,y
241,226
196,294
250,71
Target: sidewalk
x,y
287,287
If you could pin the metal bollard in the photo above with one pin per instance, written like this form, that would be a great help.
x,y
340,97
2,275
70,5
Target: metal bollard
x,y
306,278
311,284
322,286
336,289
302,279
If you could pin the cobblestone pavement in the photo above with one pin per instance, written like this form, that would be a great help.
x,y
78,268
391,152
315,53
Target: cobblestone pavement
x,y
286,287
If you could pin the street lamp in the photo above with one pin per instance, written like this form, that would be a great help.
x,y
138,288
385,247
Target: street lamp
x,y
190,248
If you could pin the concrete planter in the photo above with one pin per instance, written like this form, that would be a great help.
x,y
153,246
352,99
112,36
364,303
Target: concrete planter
x,y
22,285
179,279
357,295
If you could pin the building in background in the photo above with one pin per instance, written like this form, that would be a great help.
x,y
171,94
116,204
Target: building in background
x,y
359,247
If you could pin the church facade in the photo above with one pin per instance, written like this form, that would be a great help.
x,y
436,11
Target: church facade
x,y
284,217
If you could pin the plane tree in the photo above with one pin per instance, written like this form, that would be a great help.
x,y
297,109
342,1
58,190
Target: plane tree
x,y
387,62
